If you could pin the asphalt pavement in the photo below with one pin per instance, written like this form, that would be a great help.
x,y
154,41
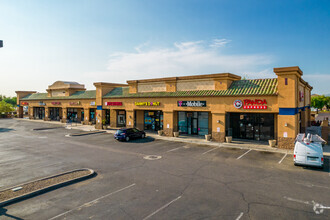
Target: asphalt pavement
x,y
186,181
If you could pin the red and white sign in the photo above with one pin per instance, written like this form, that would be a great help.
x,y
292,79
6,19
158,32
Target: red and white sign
x,y
255,104
56,103
113,103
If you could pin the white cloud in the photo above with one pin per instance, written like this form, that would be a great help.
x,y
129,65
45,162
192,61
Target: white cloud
x,y
185,58
219,43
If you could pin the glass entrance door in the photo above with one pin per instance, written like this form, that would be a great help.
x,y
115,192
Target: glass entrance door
x,y
253,126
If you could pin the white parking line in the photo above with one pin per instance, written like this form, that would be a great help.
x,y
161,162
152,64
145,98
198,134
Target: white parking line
x,y
283,158
161,208
240,216
211,150
93,201
243,154
173,149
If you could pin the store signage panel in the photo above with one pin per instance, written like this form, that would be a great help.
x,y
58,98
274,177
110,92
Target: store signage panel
x,y
75,103
42,103
251,104
24,103
113,103
192,103
147,103
55,103
92,103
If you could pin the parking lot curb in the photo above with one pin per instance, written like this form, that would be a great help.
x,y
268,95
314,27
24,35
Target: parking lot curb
x,y
47,189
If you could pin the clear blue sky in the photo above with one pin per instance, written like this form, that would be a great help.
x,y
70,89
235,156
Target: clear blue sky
x,y
115,41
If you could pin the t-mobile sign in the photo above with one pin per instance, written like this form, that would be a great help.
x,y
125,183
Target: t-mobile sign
x,y
192,103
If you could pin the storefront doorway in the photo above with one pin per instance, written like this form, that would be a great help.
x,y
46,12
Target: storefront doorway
x,y
72,114
54,114
39,112
121,118
107,116
193,123
252,126
92,115
153,120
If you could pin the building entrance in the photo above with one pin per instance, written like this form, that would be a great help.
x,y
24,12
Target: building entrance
x,y
194,123
121,118
253,126
39,112
92,115
153,120
72,114
54,114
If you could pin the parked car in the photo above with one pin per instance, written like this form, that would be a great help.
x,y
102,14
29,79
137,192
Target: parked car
x,y
308,151
128,134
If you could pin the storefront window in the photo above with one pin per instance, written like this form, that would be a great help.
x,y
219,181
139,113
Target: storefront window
x,y
39,112
153,120
121,118
203,123
254,126
193,123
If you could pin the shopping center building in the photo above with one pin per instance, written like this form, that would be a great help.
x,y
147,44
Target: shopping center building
x,y
218,104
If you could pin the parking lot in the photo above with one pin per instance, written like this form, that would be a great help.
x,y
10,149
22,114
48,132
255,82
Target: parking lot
x,y
188,181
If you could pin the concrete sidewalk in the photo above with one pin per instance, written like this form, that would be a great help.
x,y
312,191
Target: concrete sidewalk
x,y
187,139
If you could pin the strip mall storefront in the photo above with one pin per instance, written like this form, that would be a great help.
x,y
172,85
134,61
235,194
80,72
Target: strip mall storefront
x,y
219,105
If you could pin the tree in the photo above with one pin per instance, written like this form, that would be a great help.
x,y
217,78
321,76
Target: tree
x,y
319,102
5,107
10,100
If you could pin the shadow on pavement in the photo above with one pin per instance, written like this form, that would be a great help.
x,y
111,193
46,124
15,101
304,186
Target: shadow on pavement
x,y
140,140
3,212
6,129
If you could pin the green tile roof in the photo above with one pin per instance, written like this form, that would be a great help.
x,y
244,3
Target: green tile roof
x,y
237,88
89,94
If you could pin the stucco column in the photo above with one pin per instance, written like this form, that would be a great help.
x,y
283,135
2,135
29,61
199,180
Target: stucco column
x,y
288,126
170,123
64,115
139,119
19,111
86,115
46,114
79,114
218,126
130,118
100,115
113,118
30,112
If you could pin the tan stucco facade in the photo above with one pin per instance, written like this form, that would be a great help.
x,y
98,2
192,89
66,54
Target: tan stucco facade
x,y
289,105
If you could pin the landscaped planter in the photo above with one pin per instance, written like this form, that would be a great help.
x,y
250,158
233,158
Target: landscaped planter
x,y
208,137
176,134
272,143
160,132
229,139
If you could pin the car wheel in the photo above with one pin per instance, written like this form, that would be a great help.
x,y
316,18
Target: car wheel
x,y
143,136
127,138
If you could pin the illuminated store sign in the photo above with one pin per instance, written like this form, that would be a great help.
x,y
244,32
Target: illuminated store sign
x,y
75,103
251,104
192,103
113,103
147,103
56,103
24,103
